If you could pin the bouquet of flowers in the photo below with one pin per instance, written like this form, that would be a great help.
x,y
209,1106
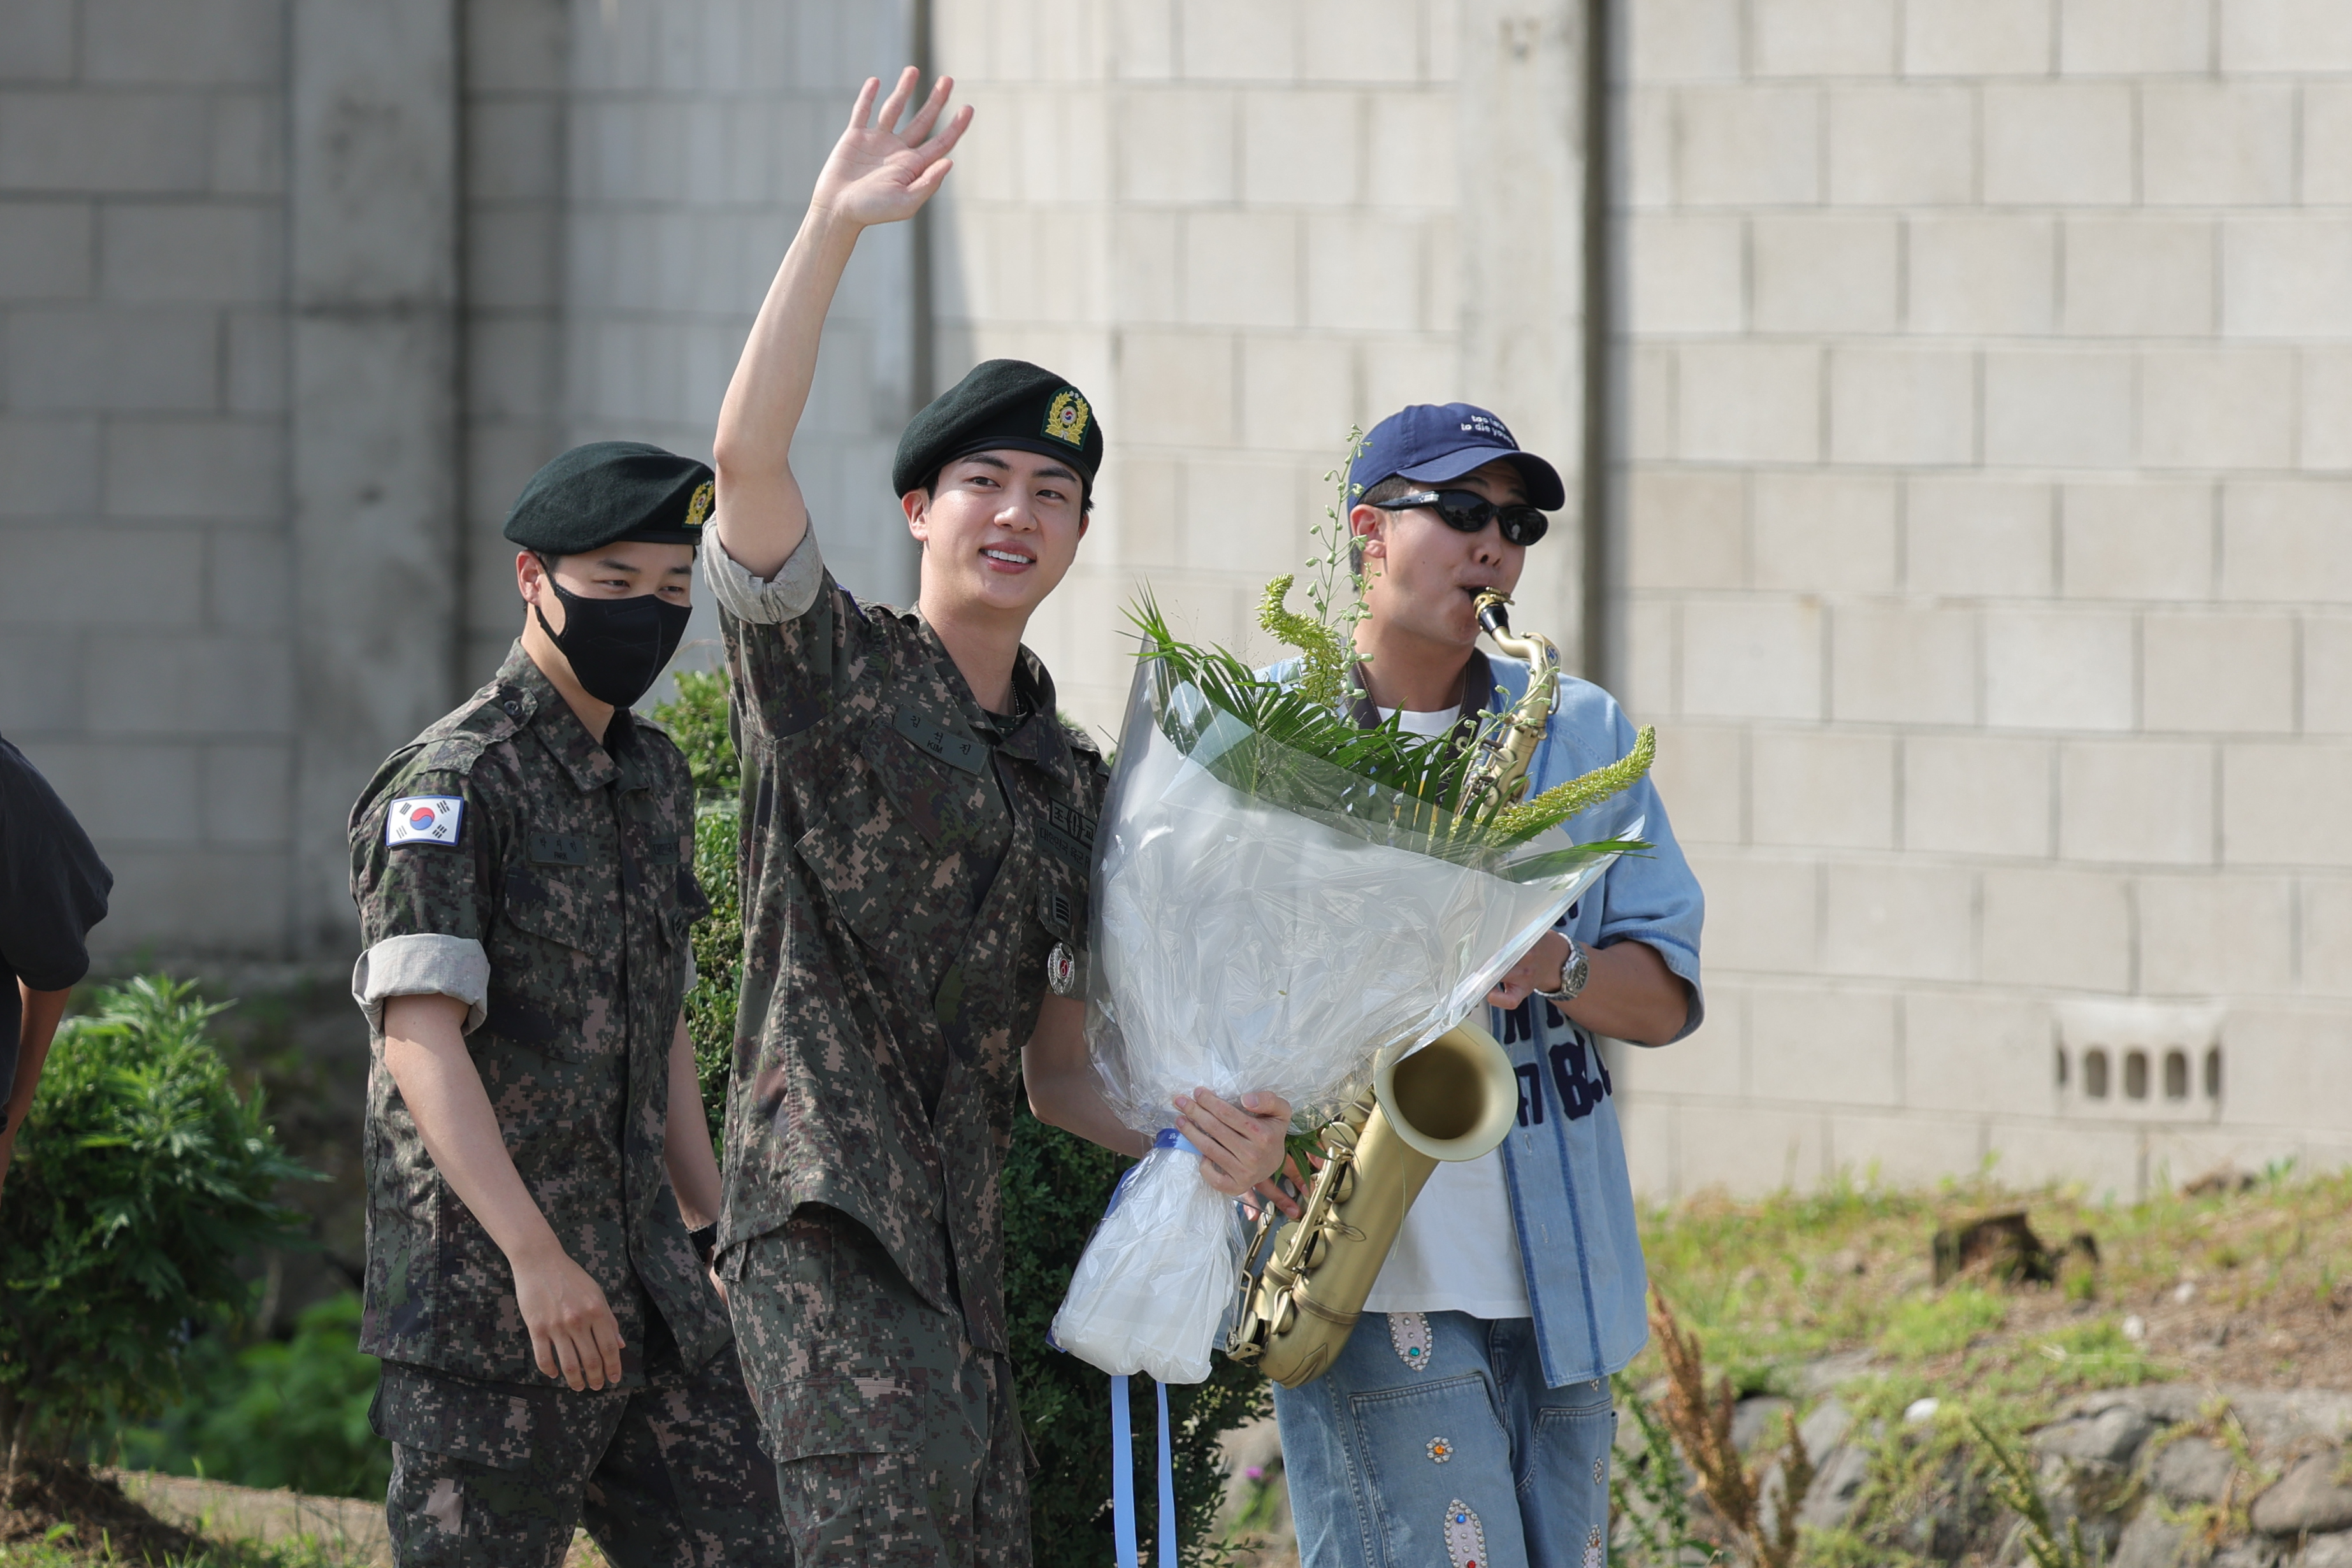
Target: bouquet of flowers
x,y
1284,900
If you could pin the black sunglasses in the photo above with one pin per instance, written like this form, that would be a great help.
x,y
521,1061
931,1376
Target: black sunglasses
x,y
1469,512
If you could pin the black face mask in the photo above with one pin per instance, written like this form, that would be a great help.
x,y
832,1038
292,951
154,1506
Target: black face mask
x,y
616,645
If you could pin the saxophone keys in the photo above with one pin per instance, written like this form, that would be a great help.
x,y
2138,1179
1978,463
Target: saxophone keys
x,y
1343,1187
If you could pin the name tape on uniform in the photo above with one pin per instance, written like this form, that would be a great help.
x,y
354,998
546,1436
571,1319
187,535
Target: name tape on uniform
x,y
423,819
956,751
559,849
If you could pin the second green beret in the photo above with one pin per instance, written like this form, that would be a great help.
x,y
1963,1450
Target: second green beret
x,y
609,490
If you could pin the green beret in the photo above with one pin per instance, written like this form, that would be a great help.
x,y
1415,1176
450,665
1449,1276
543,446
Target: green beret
x,y
1001,404
609,490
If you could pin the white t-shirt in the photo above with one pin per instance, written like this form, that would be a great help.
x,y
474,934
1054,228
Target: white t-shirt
x,y
1458,1250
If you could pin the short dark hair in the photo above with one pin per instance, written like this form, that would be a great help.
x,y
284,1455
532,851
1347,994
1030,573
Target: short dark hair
x,y
1388,489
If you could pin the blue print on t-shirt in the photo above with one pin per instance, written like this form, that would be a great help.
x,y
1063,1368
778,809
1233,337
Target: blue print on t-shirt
x,y
1573,1066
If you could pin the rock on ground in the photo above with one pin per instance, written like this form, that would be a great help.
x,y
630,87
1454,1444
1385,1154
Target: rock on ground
x,y
2111,1435
2150,1542
1836,1483
2193,1469
2310,1500
2326,1551
1757,1421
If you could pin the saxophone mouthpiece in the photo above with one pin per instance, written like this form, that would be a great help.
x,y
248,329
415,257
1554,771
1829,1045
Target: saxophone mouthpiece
x,y
1491,610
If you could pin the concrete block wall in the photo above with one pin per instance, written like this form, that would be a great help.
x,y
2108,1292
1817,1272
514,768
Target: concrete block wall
x,y
515,194
1243,228
635,171
145,631
1982,498
294,295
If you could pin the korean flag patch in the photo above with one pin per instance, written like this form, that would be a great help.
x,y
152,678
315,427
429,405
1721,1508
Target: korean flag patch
x,y
423,819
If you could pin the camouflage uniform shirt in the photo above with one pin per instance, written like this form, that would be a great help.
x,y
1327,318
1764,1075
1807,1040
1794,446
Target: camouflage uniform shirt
x,y
505,833
907,870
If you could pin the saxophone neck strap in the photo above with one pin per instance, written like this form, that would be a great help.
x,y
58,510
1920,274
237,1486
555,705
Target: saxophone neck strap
x,y
1476,694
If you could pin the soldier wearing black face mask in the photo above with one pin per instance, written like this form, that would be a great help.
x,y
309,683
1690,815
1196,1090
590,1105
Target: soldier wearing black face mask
x,y
541,1192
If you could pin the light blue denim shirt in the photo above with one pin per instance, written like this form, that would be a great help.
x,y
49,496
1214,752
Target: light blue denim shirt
x,y
1572,1198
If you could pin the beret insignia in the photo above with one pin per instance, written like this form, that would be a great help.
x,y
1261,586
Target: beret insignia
x,y
1067,417
698,509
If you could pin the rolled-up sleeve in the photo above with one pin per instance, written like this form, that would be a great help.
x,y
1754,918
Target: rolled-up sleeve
x,y
425,902
425,964
785,597
1652,897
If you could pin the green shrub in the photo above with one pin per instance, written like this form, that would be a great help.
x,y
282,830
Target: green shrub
x,y
142,1176
697,722
278,1414
1054,1187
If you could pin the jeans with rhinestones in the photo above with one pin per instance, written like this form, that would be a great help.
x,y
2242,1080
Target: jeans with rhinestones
x,y
1433,1441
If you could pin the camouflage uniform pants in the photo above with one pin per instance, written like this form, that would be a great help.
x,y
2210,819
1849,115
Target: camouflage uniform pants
x,y
669,1475
897,1443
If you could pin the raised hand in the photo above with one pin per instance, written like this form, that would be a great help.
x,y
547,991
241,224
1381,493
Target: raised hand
x,y
876,175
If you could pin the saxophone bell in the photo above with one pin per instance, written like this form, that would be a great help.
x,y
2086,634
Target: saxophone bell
x,y
1453,1099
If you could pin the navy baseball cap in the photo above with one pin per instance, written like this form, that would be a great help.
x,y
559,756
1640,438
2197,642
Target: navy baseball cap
x,y
1432,442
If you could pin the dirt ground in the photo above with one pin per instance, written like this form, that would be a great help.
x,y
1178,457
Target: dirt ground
x,y
94,1513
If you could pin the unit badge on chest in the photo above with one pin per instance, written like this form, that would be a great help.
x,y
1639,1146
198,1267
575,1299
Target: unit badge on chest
x,y
1062,970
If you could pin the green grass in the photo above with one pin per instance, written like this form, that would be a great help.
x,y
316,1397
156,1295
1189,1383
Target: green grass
x,y
1922,1326
221,1555
1772,1284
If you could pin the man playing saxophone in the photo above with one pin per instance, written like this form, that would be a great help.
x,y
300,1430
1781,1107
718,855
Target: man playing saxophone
x,y
1468,1417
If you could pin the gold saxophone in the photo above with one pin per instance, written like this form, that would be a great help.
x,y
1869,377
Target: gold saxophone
x,y
1453,1099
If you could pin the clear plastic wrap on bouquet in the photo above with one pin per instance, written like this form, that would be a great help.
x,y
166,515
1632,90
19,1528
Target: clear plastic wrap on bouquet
x,y
1145,1268
1266,921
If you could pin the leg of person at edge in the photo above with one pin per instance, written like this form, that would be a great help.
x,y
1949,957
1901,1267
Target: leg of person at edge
x,y
1469,1420
918,839
539,1176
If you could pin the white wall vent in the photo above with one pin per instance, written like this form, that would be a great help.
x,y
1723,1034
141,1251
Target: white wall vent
x,y
2140,1062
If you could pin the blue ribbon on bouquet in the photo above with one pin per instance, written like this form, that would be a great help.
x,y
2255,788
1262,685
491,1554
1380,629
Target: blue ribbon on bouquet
x,y
1123,1479
1122,1428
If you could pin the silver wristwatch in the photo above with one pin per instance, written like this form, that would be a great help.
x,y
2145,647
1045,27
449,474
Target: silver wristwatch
x,y
1572,974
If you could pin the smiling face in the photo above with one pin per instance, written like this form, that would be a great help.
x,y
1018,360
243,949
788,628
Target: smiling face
x,y
1422,578
999,529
